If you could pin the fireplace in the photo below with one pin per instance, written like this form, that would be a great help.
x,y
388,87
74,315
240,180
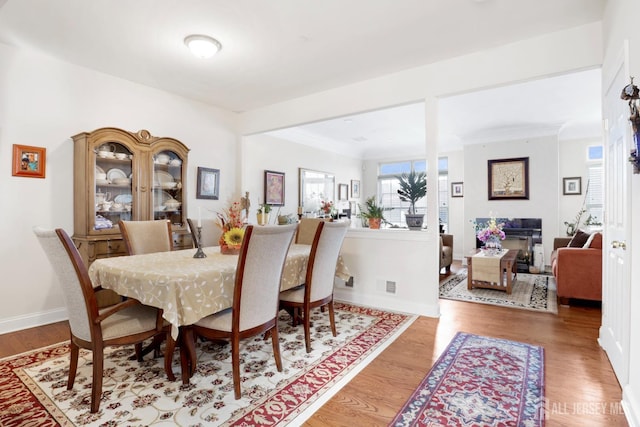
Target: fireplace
x,y
521,234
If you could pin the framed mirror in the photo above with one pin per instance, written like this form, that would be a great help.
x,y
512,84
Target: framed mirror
x,y
314,188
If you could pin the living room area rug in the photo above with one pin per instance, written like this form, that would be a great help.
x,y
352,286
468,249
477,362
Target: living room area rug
x,y
529,291
33,385
480,381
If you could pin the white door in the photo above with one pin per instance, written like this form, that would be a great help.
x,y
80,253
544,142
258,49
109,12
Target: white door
x,y
615,329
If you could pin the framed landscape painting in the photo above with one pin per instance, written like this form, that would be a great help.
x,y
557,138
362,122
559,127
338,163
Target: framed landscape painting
x,y
509,178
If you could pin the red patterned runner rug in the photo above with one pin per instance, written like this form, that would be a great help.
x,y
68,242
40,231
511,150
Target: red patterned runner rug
x,y
480,381
33,385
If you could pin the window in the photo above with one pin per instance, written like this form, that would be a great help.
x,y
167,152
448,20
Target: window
x,y
388,189
594,195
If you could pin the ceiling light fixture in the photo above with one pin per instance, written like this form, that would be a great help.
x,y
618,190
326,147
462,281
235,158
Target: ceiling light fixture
x,y
202,46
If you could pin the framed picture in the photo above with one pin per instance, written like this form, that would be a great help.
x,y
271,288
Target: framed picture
x,y
509,178
208,183
343,191
572,186
29,161
274,188
355,189
457,189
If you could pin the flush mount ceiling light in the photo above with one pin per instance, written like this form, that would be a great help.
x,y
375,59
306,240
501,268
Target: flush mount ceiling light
x,y
202,46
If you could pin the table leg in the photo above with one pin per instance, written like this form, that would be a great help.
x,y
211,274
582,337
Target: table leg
x,y
469,273
168,357
187,354
508,272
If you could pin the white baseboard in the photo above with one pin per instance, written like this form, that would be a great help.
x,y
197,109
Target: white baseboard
x,y
32,320
388,303
631,406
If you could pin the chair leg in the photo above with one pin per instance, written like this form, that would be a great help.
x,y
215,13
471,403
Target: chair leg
x,y
307,329
73,364
96,386
168,357
275,342
235,365
332,318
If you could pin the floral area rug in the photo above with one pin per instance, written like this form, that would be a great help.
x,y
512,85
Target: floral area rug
x,y
529,291
480,381
33,385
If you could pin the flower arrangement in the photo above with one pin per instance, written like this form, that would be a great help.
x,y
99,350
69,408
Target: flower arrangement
x,y
491,231
231,223
326,206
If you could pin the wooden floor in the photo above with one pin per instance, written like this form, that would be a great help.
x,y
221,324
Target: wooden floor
x,y
580,385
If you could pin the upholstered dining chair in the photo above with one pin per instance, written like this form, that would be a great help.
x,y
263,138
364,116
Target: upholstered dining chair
x,y
307,230
128,322
145,237
255,296
321,270
211,232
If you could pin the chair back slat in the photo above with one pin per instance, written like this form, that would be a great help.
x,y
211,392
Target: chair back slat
x,y
145,237
323,259
259,273
73,278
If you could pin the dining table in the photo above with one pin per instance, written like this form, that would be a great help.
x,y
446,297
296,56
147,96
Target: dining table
x,y
186,288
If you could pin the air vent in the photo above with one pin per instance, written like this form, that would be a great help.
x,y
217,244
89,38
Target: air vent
x,y
391,287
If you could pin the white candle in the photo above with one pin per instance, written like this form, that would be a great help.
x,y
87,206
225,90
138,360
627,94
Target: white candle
x,y
199,217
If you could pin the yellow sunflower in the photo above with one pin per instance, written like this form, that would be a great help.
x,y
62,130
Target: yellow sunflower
x,y
233,238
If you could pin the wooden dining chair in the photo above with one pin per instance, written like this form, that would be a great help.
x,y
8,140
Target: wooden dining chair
x,y
125,323
321,270
255,296
211,232
145,237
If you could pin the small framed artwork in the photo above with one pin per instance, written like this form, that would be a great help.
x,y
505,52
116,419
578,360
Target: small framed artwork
x,y
509,178
355,189
208,184
29,161
343,192
274,188
572,186
457,189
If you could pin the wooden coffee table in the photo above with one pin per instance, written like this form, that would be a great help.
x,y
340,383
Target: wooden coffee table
x,y
507,265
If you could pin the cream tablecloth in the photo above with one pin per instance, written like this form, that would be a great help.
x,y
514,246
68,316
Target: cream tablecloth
x,y
186,288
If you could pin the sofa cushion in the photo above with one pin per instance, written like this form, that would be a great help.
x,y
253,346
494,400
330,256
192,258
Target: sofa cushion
x,y
594,241
579,239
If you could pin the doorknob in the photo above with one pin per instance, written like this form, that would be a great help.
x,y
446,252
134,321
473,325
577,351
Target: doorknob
x,y
616,244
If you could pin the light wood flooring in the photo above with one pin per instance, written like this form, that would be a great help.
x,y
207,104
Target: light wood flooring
x,y
580,385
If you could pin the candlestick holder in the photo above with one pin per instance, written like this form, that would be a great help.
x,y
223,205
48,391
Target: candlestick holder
x,y
199,253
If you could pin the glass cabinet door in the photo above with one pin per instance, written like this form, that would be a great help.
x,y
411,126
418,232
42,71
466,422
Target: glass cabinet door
x,y
167,187
113,195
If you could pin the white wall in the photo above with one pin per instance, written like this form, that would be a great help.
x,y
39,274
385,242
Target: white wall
x,y
457,221
264,152
543,186
43,103
621,23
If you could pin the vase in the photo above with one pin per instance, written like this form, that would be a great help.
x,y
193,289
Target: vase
x,y
414,221
263,218
492,246
227,250
374,223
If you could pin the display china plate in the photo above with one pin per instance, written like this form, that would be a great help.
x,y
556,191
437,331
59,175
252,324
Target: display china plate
x,y
123,198
115,173
162,177
99,169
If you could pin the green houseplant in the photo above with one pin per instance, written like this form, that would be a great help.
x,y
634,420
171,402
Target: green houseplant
x,y
373,212
413,187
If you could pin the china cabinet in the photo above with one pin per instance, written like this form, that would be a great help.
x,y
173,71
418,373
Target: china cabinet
x,y
129,176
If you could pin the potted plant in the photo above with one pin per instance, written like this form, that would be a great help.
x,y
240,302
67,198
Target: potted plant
x,y
413,187
263,213
373,212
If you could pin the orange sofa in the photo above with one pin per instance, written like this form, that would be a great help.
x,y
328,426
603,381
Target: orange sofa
x,y
578,270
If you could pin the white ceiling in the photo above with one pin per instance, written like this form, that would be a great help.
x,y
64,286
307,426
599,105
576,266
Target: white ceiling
x,y
282,49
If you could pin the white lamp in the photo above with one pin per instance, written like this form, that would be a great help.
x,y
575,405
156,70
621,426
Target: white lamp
x,y
202,46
